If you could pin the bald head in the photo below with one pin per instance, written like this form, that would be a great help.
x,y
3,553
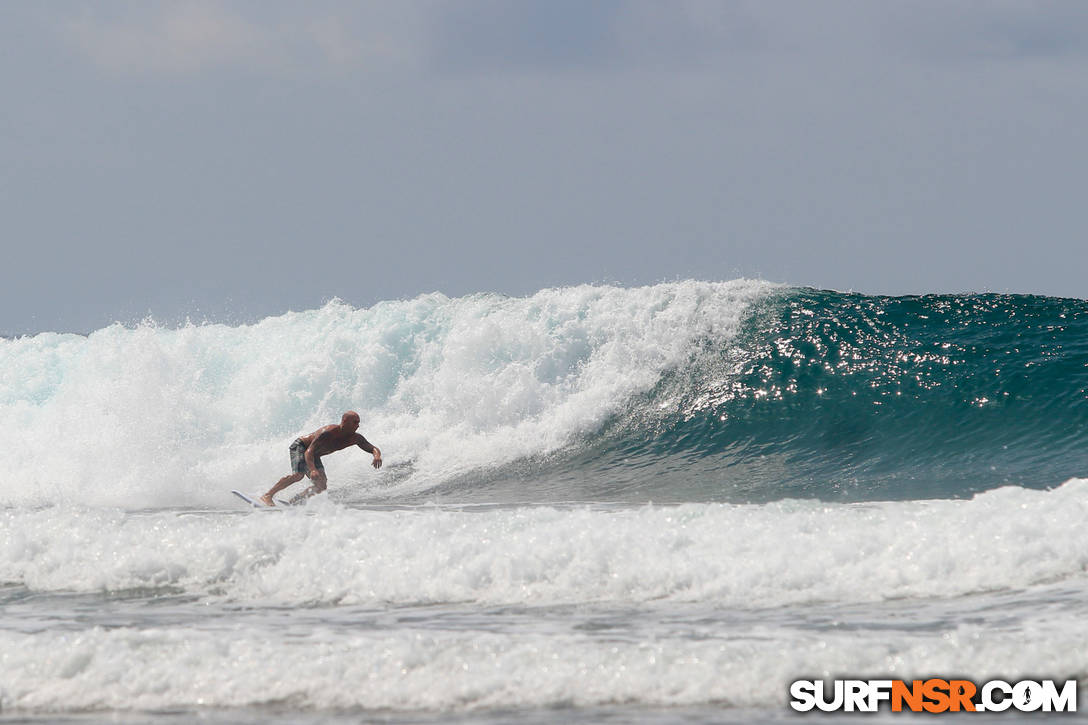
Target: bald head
x,y
350,421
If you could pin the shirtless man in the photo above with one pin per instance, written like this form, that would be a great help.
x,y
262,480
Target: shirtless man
x,y
306,455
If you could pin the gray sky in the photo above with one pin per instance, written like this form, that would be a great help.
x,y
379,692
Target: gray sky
x,y
234,160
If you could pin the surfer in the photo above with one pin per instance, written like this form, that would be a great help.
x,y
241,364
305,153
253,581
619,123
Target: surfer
x,y
306,455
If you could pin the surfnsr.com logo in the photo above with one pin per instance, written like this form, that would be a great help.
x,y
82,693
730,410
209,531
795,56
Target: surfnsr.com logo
x,y
933,695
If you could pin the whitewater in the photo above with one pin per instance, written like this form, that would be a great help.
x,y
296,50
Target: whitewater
x,y
599,503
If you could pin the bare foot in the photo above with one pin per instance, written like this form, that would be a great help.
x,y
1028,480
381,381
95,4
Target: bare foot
x,y
267,500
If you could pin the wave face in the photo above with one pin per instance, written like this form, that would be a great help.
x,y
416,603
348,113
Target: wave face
x,y
854,397
685,392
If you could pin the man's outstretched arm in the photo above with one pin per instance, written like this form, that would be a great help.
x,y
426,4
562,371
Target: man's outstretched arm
x,y
369,448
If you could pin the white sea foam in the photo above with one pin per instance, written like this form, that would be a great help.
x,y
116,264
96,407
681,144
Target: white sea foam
x,y
420,669
150,417
746,556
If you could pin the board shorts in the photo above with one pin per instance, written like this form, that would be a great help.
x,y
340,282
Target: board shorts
x,y
298,459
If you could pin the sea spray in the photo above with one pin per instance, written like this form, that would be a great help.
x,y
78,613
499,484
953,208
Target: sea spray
x,y
157,416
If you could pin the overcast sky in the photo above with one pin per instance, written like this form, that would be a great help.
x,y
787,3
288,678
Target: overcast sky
x,y
234,160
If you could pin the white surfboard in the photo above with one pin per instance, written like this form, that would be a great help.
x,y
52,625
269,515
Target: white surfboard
x,y
256,502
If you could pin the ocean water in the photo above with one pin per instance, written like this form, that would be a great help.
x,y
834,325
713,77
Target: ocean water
x,y
599,504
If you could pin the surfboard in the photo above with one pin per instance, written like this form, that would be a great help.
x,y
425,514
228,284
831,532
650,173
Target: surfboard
x,y
257,503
